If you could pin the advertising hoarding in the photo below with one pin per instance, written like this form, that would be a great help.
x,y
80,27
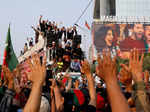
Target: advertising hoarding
x,y
121,38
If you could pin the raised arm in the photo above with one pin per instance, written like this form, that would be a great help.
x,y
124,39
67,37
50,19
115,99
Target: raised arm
x,y
40,19
53,105
135,66
91,86
107,70
59,100
36,30
33,28
37,76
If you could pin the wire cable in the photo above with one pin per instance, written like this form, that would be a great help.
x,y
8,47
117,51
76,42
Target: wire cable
x,y
83,12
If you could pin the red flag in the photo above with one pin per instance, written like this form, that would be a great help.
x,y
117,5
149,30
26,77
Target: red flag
x,y
87,25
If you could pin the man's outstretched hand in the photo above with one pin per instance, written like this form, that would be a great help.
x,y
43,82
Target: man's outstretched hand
x,y
135,65
37,72
85,68
106,68
8,77
125,75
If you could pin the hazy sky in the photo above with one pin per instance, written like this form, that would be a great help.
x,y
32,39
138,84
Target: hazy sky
x,y
24,13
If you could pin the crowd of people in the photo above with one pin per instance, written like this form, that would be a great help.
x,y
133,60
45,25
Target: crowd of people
x,y
101,86
62,45
123,91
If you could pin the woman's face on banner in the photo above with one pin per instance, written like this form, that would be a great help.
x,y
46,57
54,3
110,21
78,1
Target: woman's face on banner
x,y
109,38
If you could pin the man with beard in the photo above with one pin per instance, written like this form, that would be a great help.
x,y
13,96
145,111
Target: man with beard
x,y
134,41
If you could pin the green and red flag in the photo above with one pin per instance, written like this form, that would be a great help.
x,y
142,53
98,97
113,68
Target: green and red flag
x,y
78,97
10,60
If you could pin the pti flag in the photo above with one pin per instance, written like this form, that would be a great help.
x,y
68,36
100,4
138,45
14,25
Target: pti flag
x,y
10,60
87,25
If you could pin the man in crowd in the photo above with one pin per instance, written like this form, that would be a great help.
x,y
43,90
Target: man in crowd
x,y
50,36
52,51
62,33
60,51
25,48
37,32
134,41
42,24
78,52
75,65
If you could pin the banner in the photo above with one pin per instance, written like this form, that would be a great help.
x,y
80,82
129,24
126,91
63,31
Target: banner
x,y
121,38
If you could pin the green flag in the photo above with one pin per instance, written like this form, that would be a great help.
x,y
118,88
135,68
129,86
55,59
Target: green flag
x,y
10,59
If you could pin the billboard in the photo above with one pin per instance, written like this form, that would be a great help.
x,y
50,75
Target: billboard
x,y
121,38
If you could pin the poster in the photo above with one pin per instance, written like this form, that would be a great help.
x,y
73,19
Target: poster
x,y
120,39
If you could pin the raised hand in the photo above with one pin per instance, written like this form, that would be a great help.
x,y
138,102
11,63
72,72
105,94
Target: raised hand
x,y
9,78
135,65
53,81
17,71
32,27
17,75
8,74
37,75
106,68
85,68
41,16
37,71
125,75
59,100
